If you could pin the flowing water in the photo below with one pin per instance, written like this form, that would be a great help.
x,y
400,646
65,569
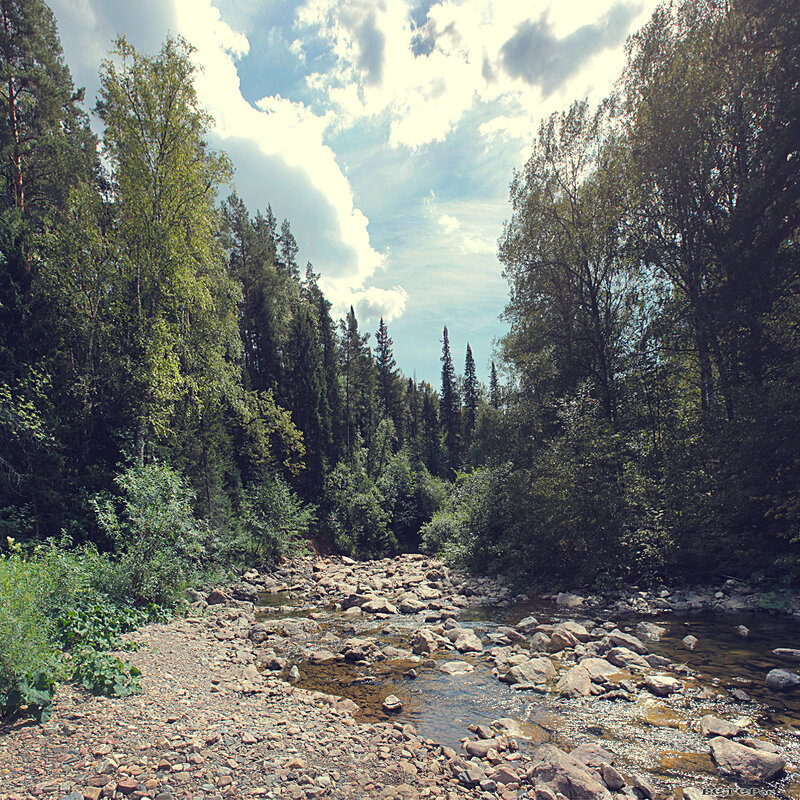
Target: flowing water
x,y
654,738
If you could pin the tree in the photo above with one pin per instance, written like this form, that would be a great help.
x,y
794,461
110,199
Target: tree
x,y
563,256
471,396
45,142
175,304
450,407
494,388
385,365
358,375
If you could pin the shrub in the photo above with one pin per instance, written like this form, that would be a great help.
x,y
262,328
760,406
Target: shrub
x,y
275,520
156,534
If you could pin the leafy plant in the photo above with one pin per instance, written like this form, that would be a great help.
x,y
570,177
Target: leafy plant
x,y
32,693
105,674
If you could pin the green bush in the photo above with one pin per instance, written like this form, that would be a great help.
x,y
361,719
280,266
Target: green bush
x,y
155,532
26,648
275,520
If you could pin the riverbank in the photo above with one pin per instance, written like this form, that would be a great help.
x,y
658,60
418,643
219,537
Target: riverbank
x,y
219,716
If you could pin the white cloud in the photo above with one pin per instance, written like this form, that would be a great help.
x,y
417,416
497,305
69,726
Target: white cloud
x,y
448,223
293,134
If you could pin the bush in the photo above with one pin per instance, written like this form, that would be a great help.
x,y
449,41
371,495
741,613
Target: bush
x,y
156,534
26,650
275,520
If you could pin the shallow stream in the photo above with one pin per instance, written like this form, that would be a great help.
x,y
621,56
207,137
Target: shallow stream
x,y
654,738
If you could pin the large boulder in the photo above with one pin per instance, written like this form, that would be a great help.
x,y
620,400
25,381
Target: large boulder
x,y
782,680
619,639
568,600
565,775
575,682
626,659
599,667
468,642
714,726
534,670
662,685
745,763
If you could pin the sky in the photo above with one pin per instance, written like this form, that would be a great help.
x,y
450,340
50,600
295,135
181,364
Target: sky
x,y
386,131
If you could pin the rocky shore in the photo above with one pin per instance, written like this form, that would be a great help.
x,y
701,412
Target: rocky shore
x,y
223,713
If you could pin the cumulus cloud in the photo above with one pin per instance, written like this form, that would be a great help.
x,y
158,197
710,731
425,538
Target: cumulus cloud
x,y
535,54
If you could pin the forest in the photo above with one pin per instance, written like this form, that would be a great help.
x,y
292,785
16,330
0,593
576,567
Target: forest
x,y
177,400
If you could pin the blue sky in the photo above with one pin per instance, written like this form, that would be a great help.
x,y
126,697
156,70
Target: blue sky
x,y
386,131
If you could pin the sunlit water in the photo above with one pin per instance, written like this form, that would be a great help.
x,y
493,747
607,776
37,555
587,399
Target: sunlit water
x,y
652,737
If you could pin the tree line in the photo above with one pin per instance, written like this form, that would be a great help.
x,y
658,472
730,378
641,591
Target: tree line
x,y
162,349
143,322
652,426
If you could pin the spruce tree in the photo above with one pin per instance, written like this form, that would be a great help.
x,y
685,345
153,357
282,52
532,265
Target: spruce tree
x,y
494,388
385,363
471,395
450,408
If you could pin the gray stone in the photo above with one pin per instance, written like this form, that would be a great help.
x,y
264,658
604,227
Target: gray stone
x,y
540,641
626,659
575,682
592,755
789,653
527,625
568,600
743,631
535,670
611,777
468,642
392,704
662,685
714,726
649,630
744,762
782,680
599,667
690,642
619,639
456,668
565,775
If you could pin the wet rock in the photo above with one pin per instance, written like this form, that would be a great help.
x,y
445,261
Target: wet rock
x,y
456,668
662,685
392,704
378,605
565,775
743,631
576,682
424,642
561,639
649,630
781,680
411,605
714,726
617,638
568,600
745,763
576,629
480,748
294,674
611,778
598,667
761,744
788,653
690,642
471,776
535,670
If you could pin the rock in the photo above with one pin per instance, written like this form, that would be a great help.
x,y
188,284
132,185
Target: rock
x,y
456,668
789,653
565,775
568,600
575,682
392,704
217,597
592,755
411,605
504,775
598,667
649,630
611,777
576,629
481,747
471,776
690,642
527,625
691,793
761,744
424,642
561,639
535,670
619,639
510,727
468,642
714,726
378,605
743,631
294,674
662,685
626,659
321,657
781,680
741,695
744,762
540,641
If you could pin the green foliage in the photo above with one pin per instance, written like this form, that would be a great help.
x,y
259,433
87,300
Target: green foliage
x,y
105,674
155,532
275,521
32,693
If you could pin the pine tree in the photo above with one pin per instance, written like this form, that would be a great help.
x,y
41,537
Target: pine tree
x,y
471,395
385,363
494,388
450,408
287,251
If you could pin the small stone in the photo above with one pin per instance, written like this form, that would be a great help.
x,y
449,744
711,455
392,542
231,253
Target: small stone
x,y
743,631
392,704
781,680
690,642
